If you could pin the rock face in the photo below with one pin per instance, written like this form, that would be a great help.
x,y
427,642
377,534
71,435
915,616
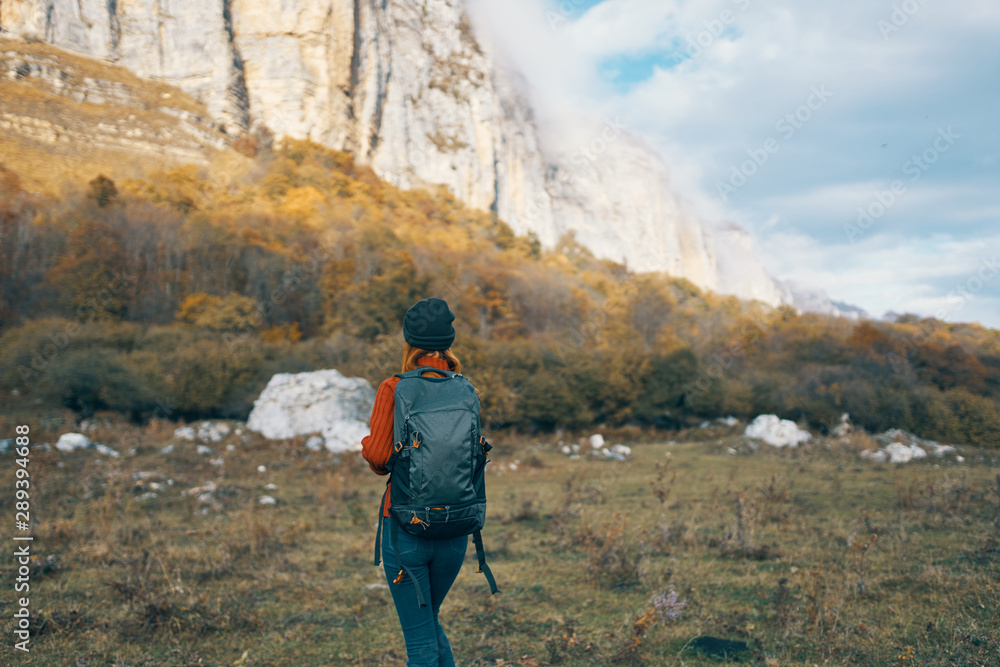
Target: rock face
x,y
740,271
407,88
818,301
322,402
91,107
601,174
186,43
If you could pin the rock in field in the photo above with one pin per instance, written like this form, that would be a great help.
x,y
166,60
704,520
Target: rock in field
x,y
70,441
324,402
776,432
903,447
206,431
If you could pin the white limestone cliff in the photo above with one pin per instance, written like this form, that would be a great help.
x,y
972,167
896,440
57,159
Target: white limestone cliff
x,y
614,193
407,88
740,271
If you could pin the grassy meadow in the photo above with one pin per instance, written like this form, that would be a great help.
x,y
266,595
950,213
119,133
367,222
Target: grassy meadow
x,y
809,555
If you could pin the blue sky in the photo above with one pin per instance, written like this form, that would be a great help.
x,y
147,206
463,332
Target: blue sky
x,y
852,98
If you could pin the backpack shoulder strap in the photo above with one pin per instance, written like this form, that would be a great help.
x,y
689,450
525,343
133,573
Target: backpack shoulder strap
x,y
416,373
393,533
477,539
378,532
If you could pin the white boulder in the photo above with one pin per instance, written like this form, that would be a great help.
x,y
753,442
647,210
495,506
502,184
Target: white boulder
x,y
185,433
107,451
70,441
90,425
323,402
206,431
895,452
844,428
902,447
597,441
617,452
776,432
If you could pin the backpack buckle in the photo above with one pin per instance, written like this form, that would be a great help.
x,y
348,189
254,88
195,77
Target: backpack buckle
x,y
398,446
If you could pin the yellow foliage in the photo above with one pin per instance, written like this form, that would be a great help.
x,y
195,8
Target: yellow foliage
x,y
194,305
304,204
233,312
282,333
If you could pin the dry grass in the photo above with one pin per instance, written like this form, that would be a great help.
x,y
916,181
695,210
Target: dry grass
x,y
865,564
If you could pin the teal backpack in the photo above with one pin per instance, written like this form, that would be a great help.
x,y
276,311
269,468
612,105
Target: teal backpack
x,y
437,468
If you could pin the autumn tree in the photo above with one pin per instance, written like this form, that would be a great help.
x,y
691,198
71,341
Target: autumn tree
x,y
91,276
102,191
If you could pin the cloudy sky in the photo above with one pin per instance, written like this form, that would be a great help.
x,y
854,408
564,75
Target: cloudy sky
x,y
792,117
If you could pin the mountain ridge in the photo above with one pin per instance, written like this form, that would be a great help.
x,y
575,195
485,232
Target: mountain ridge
x,y
411,91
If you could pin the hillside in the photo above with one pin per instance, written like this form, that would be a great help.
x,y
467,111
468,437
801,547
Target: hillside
x,y
412,91
180,293
62,115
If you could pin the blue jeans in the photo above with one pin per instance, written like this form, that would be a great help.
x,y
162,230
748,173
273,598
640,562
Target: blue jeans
x,y
435,565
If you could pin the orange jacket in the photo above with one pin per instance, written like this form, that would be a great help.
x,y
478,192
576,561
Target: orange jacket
x,y
376,447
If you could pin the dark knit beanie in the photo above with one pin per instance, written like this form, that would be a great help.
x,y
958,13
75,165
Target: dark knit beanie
x,y
427,325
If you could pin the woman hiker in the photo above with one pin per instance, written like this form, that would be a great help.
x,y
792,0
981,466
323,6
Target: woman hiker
x,y
431,564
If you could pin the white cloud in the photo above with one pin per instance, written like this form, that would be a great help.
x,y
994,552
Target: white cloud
x,y
620,27
891,93
887,274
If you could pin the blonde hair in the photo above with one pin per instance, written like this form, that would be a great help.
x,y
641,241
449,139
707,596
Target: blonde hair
x,y
412,354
